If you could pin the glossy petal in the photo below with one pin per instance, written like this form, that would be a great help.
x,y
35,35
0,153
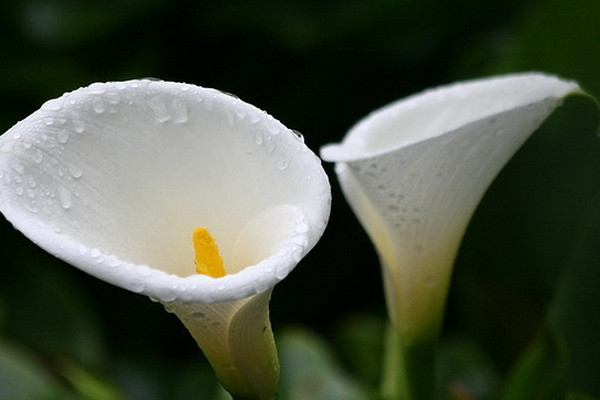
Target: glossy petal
x,y
415,170
113,178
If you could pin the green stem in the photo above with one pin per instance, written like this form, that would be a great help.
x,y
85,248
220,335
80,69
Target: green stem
x,y
409,370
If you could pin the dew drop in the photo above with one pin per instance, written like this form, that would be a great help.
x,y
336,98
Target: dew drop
x,y
32,207
136,286
229,94
75,171
180,114
62,136
37,156
269,145
48,121
113,261
221,287
281,272
302,227
394,209
198,315
94,253
79,126
97,88
299,135
113,97
282,164
159,107
258,138
98,106
52,105
65,198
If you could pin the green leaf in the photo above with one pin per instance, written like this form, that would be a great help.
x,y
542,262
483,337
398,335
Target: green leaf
x,y
45,307
560,37
360,342
540,373
579,396
22,377
575,311
309,370
87,385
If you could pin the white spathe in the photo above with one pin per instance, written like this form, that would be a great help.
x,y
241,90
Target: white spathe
x,y
114,177
415,170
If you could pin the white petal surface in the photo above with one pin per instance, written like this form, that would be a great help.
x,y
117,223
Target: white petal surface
x,y
114,177
415,170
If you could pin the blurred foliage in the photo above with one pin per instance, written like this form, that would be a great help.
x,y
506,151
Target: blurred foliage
x,y
524,304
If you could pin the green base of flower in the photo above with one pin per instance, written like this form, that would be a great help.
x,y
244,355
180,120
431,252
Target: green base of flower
x,y
409,371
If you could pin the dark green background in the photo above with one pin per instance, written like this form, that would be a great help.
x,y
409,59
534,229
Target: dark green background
x,y
530,260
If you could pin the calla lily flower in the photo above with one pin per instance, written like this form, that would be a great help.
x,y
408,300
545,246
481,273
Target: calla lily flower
x,y
115,178
415,170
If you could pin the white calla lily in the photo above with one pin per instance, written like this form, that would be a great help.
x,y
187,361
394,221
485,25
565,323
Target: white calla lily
x,y
415,170
114,178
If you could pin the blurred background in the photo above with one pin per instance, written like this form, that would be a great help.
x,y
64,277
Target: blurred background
x,y
527,280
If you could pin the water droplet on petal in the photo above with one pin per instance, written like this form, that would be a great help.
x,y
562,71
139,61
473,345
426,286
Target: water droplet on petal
x,y
37,156
113,261
180,114
282,164
198,315
136,286
298,135
229,94
159,107
75,171
62,136
394,209
95,253
269,145
99,106
113,97
52,105
97,88
79,126
65,198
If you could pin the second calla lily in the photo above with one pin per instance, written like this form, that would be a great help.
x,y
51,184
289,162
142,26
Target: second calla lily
x,y
414,172
116,177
